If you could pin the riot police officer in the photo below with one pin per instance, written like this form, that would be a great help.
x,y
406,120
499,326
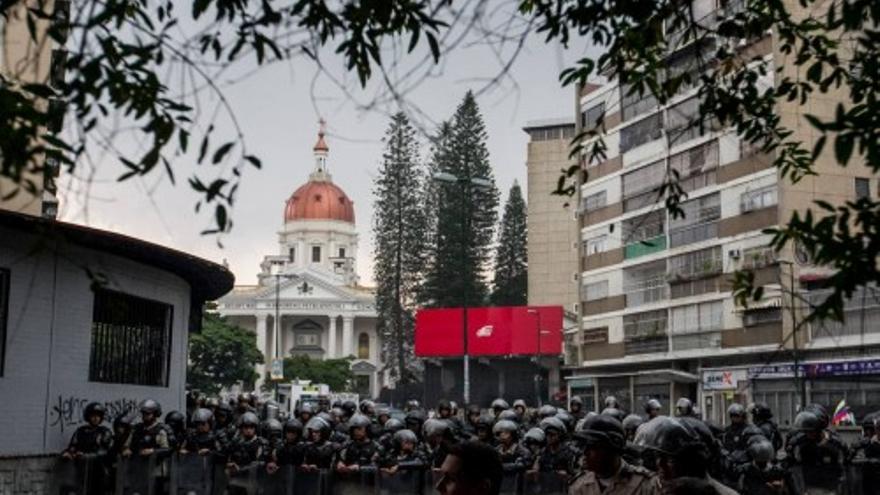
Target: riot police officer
x,y
320,450
92,438
175,427
499,405
438,437
684,407
652,408
576,407
762,417
762,475
557,454
201,439
360,451
819,455
148,436
514,457
247,447
631,453
602,440
535,439
403,455
483,432
292,452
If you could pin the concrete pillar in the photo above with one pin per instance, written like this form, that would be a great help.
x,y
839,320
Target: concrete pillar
x,y
261,345
331,337
347,335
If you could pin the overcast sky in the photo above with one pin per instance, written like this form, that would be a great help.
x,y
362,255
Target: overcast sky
x,y
279,108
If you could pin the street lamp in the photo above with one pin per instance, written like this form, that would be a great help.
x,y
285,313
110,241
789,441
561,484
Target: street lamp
x,y
463,183
278,357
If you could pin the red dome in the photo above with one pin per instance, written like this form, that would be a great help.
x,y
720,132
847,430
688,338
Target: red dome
x,y
319,200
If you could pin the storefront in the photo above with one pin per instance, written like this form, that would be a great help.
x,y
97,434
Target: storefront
x,y
633,390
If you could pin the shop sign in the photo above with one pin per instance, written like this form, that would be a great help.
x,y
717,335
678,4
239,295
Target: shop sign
x,y
818,370
581,383
722,380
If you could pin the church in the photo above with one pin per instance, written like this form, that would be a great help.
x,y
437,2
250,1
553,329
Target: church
x,y
312,286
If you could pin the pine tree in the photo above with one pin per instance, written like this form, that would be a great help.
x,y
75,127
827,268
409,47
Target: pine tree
x,y
399,230
511,255
465,212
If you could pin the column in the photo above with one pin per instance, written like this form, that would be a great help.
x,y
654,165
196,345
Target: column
x,y
331,337
347,335
302,257
261,345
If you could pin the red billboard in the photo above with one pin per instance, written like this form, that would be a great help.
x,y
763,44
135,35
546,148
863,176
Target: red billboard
x,y
492,331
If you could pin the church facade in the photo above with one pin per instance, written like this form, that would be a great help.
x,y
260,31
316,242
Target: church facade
x,y
312,286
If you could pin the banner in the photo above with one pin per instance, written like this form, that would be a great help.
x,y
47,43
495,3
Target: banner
x,y
492,331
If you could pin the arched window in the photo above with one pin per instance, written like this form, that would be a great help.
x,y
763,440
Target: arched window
x,y
364,346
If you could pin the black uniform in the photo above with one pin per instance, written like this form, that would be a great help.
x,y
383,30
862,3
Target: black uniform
x,y
243,452
514,458
320,454
197,441
154,436
361,453
559,459
88,439
290,454
755,480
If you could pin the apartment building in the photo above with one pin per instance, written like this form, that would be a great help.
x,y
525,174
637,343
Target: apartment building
x,y
26,59
658,319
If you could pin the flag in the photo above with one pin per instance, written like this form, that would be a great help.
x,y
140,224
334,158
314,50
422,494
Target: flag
x,y
841,412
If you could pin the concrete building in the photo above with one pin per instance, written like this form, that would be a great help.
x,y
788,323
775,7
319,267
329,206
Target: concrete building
x,y
658,319
322,310
87,315
28,60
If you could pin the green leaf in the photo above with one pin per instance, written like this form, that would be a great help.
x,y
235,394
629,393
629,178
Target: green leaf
x,y
222,151
254,161
843,148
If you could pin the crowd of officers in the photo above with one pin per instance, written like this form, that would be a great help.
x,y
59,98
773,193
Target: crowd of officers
x,y
609,453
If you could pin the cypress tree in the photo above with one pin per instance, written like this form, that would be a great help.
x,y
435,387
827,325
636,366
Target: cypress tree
x,y
399,231
510,287
465,212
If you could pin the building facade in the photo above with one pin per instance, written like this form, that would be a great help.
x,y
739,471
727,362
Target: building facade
x,y
658,318
311,286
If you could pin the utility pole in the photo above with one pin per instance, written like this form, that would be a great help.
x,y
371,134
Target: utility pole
x,y
538,377
799,382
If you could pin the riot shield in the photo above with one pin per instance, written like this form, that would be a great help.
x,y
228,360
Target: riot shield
x,y
863,477
220,480
432,480
361,482
136,475
246,480
278,483
191,474
544,482
818,480
72,476
511,483
402,482
311,482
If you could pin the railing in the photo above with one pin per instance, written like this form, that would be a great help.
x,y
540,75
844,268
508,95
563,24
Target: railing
x,y
690,234
645,247
695,270
701,340
192,474
646,345
861,315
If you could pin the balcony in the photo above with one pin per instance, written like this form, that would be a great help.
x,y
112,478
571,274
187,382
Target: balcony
x,y
701,340
682,236
645,247
861,315
694,271
646,345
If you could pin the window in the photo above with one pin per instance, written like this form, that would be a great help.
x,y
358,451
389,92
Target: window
x,y
697,166
645,332
693,318
596,290
4,314
307,340
643,131
363,346
695,264
592,115
645,284
316,254
863,188
683,121
754,317
757,199
641,187
131,340
595,245
644,227
291,254
342,252
595,201
633,104
597,335
700,221
758,257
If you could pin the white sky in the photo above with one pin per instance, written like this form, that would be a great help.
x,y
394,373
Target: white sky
x,y
279,116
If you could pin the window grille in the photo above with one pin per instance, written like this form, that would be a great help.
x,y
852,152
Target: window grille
x,y
757,199
633,104
595,201
645,284
695,264
596,290
643,131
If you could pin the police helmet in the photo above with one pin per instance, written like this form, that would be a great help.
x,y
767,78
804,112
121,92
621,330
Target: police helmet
x,y
820,412
393,425
552,424
337,413
383,411
652,405
436,426
367,407
330,420
414,419
176,420
404,436
535,436
520,403
202,416
576,401
499,405
150,406
443,404
614,413
631,423
611,401
602,431
413,404
92,409
473,409
359,421
737,410
566,418
508,414
505,425
319,425
248,419
349,407
546,411
671,436
224,407
306,408
293,424
761,412
270,409
273,428
684,407
761,451
122,421
808,421
485,421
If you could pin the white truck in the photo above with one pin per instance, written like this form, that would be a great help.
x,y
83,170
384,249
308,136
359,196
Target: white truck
x,y
304,391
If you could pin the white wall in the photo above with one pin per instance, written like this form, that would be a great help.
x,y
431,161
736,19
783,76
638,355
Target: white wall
x,y
45,383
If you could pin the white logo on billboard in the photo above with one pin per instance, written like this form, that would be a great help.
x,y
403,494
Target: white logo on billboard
x,y
485,331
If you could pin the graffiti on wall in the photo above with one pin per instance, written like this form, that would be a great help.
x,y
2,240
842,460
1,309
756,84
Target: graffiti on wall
x,y
66,412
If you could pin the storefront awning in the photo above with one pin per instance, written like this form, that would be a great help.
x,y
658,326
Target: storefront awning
x,y
671,375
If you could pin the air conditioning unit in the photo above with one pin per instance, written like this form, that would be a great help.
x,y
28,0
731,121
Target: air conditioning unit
x,y
734,254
